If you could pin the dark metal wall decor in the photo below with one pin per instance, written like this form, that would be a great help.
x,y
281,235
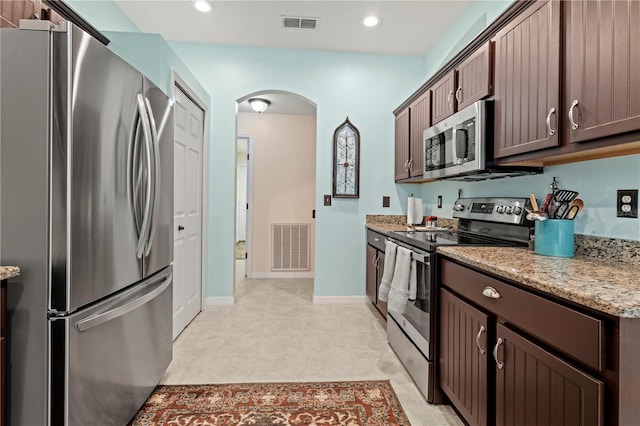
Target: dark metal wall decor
x,y
346,161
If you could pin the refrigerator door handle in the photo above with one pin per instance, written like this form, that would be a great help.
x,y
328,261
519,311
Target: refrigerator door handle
x,y
95,320
146,130
156,180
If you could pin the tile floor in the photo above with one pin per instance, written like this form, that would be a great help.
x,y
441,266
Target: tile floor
x,y
274,333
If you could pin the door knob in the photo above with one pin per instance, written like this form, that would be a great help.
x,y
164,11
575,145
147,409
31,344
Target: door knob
x,y
180,227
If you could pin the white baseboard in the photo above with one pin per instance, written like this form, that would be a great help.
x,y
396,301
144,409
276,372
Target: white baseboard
x,y
266,275
340,300
227,300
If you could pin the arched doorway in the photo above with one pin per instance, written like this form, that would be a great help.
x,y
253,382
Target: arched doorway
x,y
277,148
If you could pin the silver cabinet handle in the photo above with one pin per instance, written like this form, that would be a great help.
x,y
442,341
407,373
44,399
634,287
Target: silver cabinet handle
x,y
406,165
377,262
411,165
499,364
459,94
482,350
550,130
491,293
573,106
376,239
450,98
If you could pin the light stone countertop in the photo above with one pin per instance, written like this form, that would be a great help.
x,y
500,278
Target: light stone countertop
x,y
7,272
613,288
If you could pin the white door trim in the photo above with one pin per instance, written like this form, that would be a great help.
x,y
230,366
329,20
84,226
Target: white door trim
x,y
178,81
249,199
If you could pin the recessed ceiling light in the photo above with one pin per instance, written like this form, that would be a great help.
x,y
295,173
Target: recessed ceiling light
x,y
203,5
371,21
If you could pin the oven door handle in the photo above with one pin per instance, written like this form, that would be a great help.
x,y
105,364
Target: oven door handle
x,y
422,258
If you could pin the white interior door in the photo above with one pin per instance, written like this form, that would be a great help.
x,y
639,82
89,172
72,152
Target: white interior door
x,y
241,207
189,136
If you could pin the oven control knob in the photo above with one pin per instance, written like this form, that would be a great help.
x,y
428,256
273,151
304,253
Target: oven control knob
x,y
500,209
517,210
508,209
458,207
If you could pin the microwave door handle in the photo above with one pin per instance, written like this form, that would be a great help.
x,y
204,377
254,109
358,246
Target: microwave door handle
x,y
461,144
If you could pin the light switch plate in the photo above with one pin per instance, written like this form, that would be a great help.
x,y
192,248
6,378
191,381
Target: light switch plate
x,y
386,201
327,200
627,203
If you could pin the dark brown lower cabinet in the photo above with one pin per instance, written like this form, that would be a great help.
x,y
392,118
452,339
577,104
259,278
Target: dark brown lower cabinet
x,y
375,269
494,373
463,357
534,387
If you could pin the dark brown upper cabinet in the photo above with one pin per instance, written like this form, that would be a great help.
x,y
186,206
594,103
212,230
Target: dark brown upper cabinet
x,y
527,81
11,12
402,145
444,99
475,79
420,111
602,79
410,125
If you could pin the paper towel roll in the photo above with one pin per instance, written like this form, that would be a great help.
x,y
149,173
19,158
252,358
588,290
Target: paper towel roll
x,y
414,210
411,210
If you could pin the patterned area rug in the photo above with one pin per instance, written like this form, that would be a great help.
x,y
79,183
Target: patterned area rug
x,y
371,403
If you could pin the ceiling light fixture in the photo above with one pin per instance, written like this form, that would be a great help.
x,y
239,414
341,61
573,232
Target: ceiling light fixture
x,y
203,5
371,21
259,105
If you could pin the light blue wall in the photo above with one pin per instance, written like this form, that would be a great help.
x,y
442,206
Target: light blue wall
x,y
596,181
103,14
478,15
364,87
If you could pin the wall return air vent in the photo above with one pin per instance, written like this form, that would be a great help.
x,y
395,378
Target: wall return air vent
x,y
300,23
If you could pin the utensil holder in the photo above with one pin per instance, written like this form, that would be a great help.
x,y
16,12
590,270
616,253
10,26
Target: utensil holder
x,y
554,237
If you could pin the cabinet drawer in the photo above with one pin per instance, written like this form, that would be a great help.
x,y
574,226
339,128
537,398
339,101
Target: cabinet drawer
x,y
376,240
573,333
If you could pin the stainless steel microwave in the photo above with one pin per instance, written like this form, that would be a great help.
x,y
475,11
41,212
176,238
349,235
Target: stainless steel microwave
x,y
460,147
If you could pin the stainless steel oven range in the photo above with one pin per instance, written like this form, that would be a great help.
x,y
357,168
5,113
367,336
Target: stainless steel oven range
x,y
413,334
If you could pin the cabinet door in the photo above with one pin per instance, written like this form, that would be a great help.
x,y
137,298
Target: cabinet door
x,y
474,77
371,279
402,145
11,12
602,68
534,387
444,100
527,81
382,306
463,357
420,111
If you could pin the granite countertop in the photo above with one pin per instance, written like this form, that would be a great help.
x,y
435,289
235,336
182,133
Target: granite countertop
x,y
612,288
386,227
7,272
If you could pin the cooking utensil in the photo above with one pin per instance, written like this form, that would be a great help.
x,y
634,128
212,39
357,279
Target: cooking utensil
x,y
575,207
534,203
565,196
561,211
546,203
535,215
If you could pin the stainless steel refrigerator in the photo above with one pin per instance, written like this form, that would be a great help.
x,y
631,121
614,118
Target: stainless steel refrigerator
x,y
86,181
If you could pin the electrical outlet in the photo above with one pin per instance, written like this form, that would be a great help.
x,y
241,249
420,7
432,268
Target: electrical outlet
x,y
627,203
386,201
439,201
327,200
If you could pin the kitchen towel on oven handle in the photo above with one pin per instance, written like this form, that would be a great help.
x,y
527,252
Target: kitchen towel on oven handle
x,y
390,249
400,293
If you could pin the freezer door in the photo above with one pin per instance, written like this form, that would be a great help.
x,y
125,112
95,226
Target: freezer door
x,y
159,252
106,360
95,125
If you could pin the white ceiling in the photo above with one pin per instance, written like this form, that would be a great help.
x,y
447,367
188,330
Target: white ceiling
x,y
407,28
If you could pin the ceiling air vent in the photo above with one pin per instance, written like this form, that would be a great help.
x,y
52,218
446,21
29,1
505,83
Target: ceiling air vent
x,y
300,23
